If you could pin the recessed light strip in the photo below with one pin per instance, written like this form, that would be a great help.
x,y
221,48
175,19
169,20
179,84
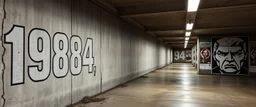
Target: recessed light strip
x,y
191,14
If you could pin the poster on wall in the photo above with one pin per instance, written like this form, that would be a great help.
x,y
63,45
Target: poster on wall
x,y
253,56
205,55
195,52
230,55
188,55
193,55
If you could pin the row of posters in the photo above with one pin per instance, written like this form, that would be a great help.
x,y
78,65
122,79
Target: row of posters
x,y
223,55
228,55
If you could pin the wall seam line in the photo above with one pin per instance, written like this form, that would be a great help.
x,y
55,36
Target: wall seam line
x,y
2,59
100,49
71,87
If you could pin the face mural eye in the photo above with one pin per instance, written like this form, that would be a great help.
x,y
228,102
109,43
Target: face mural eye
x,y
238,53
222,54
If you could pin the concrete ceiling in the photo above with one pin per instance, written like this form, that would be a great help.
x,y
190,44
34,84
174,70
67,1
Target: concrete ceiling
x,y
166,19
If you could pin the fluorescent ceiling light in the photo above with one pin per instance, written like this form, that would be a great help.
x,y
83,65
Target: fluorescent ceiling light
x,y
193,5
189,26
185,44
188,33
186,38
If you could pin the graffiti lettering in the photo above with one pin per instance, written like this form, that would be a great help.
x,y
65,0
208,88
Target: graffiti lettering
x,y
41,60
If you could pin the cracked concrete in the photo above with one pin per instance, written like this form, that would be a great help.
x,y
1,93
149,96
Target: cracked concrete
x,y
2,17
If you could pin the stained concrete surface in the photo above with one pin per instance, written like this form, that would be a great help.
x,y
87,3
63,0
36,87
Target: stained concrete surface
x,y
178,85
121,52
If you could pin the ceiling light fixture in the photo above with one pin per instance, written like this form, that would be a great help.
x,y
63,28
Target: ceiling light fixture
x,y
189,26
193,5
188,33
185,44
186,38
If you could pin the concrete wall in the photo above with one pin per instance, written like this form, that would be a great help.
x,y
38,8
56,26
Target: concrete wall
x,y
1,48
31,44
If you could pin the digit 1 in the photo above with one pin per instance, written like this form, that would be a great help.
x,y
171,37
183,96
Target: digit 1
x,y
39,50
16,38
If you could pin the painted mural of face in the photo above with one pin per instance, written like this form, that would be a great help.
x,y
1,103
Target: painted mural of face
x,y
230,54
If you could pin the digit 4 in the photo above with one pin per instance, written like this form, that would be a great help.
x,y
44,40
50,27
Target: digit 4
x,y
88,59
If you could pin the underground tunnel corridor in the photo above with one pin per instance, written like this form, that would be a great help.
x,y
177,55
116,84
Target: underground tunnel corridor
x,y
128,53
179,85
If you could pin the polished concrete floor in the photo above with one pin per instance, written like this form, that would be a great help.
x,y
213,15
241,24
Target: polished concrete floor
x,y
178,85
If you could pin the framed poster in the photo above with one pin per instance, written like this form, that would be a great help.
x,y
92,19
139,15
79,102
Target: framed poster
x,y
230,55
205,55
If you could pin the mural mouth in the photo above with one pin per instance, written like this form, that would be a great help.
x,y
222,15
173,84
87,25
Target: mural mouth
x,y
229,66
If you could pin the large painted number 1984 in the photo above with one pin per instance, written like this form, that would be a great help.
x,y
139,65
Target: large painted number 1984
x,y
42,60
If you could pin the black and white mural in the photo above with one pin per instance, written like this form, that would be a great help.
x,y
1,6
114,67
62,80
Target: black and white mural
x,y
230,55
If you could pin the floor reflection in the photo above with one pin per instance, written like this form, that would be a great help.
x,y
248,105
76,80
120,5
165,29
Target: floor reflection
x,y
178,85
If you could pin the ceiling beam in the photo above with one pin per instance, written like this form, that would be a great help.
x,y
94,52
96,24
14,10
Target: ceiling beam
x,y
154,13
179,41
205,29
227,7
179,45
134,23
224,28
174,31
170,37
173,12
